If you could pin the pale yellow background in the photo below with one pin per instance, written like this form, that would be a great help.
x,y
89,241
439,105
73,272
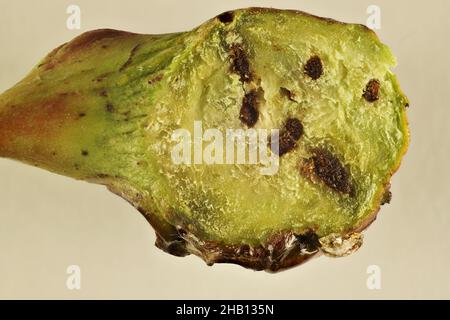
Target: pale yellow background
x,y
48,222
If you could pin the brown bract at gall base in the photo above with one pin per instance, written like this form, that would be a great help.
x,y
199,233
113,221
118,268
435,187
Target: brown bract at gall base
x,y
43,117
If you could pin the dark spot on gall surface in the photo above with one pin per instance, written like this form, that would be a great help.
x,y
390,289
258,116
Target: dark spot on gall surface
x,y
313,67
110,108
308,241
371,92
330,171
294,128
103,93
240,63
289,135
249,111
226,17
155,79
285,145
287,93
387,197
81,114
84,153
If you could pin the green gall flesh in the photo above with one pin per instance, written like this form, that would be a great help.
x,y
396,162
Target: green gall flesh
x,y
103,108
